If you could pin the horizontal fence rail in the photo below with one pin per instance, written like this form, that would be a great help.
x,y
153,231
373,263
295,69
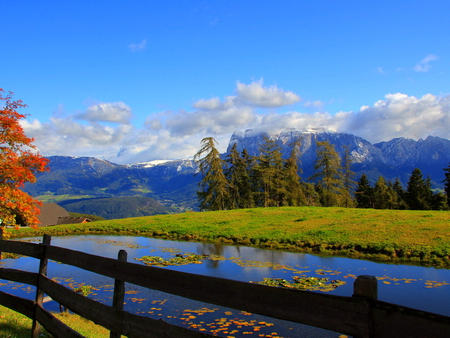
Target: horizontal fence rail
x,y
361,315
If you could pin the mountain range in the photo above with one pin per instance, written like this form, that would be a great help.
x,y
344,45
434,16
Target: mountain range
x,y
173,183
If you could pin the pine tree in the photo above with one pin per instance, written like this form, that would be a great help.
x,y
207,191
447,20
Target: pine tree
x,y
214,193
295,195
418,192
349,182
364,193
311,195
248,181
238,179
270,174
446,182
400,193
383,195
329,172
233,174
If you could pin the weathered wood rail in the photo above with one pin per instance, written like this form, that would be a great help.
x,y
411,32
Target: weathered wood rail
x,y
360,315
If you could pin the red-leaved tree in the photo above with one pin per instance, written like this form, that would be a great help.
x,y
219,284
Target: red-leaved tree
x,y
19,163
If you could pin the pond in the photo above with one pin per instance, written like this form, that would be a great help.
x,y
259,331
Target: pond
x,y
422,288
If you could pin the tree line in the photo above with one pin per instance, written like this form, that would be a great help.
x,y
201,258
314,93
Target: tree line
x,y
243,181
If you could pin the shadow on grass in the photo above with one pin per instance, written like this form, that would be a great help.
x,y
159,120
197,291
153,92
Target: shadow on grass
x,y
14,331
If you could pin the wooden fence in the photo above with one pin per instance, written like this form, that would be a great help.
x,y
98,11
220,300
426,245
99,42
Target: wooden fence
x,y
360,315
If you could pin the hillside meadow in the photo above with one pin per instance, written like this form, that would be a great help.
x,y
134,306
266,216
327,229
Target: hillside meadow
x,y
419,237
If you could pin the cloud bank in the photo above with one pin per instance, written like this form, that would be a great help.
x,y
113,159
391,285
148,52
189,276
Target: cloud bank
x,y
105,128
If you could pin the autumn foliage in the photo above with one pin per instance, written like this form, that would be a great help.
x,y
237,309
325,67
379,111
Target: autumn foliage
x,y
19,163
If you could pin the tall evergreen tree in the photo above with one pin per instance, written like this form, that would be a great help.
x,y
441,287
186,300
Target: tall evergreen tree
x,y
384,196
349,182
401,193
249,181
233,173
364,193
214,187
329,172
238,179
311,195
446,182
295,195
418,193
270,173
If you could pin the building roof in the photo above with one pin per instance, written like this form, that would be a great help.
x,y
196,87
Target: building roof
x,y
50,213
72,220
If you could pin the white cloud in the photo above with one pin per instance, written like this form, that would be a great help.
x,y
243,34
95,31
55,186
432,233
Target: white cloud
x,y
177,134
424,64
117,112
257,95
400,115
135,47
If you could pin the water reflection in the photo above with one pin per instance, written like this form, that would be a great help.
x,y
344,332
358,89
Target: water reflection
x,y
397,283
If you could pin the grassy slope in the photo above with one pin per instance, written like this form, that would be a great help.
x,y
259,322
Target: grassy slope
x,y
16,325
379,234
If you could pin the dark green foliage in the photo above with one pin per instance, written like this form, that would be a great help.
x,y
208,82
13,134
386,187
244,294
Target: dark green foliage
x,y
400,193
238,177
418,196
418,193
295,196
329,172
364,193
384,196
117,207
93,218
270,174
349,182
446,182
214,187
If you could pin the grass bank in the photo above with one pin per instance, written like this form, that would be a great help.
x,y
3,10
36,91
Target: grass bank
x,y
16,325
419,237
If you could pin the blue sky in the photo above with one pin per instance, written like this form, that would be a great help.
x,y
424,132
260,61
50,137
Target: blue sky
x,y
155,77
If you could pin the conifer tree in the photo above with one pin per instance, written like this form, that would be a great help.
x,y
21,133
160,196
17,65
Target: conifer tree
x,y
364,193
270,174
249,181
418,192
349,182
400,193
446,182
295,195
311,194
238,179
329,172
384,197
214,187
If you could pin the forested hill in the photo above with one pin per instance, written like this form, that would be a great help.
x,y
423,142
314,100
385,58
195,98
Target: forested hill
x,y
117,207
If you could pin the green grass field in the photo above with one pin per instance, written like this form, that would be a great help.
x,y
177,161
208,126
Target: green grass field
x,y
16,325
420,237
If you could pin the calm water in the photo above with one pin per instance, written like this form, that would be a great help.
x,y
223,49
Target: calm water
x,y
417,287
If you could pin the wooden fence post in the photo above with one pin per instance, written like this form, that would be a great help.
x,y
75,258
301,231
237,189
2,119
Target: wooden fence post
x,y
119,293
1,239
367,287
36,328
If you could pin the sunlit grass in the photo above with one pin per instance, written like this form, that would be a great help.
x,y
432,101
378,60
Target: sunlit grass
x,y
16,325
417,236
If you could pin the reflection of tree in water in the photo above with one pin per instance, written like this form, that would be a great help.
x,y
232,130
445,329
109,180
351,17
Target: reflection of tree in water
x,y
213,249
